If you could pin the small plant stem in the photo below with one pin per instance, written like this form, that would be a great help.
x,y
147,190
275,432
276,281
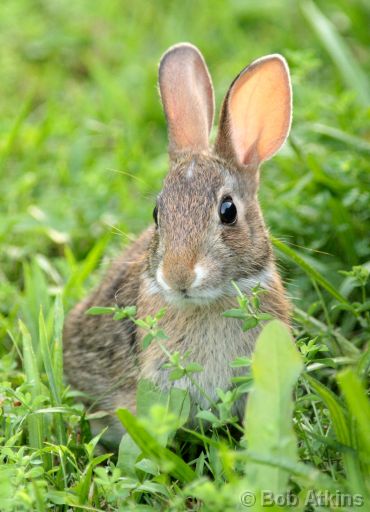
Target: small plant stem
x,y
307,388
201,390
326,313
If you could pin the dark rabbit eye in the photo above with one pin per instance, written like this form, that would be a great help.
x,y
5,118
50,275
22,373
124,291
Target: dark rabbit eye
x,y
155,215
228,211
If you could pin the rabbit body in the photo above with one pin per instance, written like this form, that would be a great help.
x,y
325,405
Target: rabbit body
x,y
187,261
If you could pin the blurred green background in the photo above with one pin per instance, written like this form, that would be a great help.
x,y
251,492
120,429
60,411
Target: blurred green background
x,y
83,137
82,156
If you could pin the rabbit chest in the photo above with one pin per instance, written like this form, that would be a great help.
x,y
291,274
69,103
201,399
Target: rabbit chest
x,y
210,339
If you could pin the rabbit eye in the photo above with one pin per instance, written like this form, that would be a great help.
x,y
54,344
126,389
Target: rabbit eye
x,y
228,211
155,215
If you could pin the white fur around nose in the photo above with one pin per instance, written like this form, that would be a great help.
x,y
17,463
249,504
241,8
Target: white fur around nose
x,y
200,274
160,279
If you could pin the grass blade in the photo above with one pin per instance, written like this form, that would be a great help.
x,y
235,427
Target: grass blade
x,y
341,136
310,271
35,422
16,127
352,75
36,294
57,354
335,409
358,405
84,270
50,369
341,428
46,359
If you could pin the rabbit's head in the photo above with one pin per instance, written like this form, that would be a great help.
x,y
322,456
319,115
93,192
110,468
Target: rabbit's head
x,y
209,227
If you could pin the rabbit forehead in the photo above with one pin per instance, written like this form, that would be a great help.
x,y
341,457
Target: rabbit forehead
x,y
197,178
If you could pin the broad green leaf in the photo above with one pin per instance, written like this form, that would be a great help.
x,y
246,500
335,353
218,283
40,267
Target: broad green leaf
x,y
96,310
168,461
153,487
148,394
8,478
146,341
179,404
249,323
306,474
148,466
193,368
234,313
241,362
176,374
176,401
127,456
276,365
208,416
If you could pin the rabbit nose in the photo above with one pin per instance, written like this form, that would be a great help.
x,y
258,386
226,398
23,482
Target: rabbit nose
x,y
179,276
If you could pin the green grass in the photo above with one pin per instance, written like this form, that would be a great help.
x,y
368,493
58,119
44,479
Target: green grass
x,y
82,155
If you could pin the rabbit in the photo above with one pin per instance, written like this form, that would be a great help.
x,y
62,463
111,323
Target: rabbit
x,y
208,231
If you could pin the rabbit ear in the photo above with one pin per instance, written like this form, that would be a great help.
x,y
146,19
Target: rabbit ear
x,y
256,113
187,96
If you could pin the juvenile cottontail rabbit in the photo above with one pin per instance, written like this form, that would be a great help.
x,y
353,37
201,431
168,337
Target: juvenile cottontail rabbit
x,y
208,231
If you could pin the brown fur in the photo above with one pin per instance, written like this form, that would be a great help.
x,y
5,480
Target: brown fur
x,y
185,265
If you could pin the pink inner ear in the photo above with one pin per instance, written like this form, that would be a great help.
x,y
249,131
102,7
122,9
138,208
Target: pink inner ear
x,y
186,109
187,97
260,110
